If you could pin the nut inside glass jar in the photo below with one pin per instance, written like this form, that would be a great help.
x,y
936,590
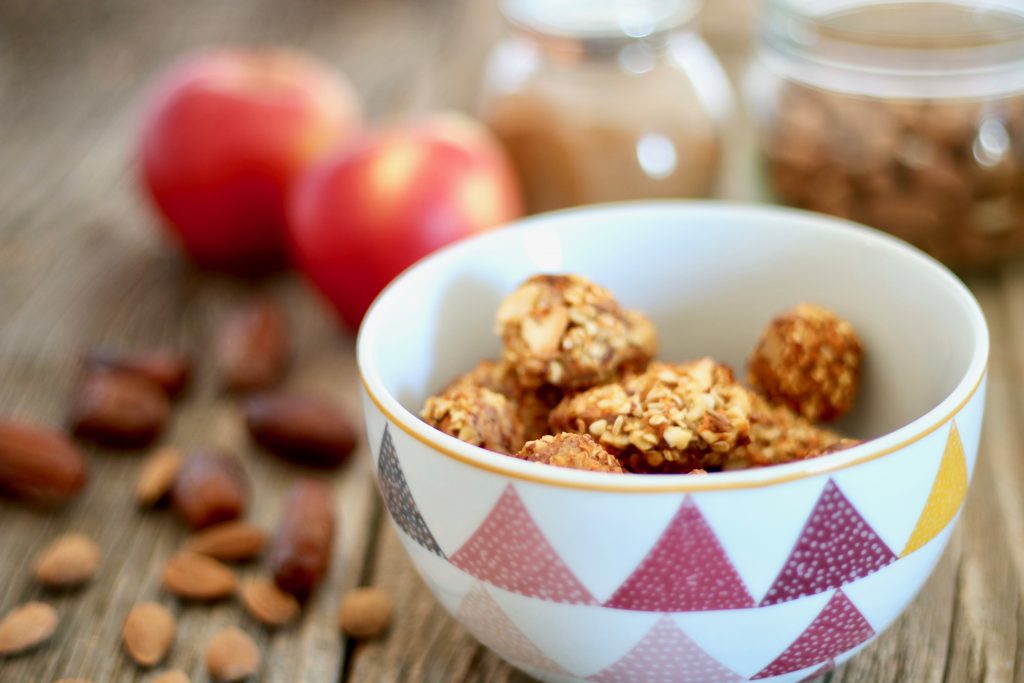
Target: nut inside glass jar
x,y
908,116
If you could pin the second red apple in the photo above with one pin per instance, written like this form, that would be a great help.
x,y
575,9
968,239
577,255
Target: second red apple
x,y
362,217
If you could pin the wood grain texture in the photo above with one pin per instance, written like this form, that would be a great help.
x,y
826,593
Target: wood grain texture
x,y
81,264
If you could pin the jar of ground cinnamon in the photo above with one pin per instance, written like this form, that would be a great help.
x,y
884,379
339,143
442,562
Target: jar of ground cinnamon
x,y
602,100
905,115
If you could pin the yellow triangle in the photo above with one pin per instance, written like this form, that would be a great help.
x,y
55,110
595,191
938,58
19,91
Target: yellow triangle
x,y
946,496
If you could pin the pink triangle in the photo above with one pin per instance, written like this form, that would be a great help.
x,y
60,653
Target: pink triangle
x,y
509,551
485,619
837,628
835,547
666,654
686,571
819,672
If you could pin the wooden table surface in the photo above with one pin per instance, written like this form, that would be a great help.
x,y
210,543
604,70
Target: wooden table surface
x,y
81,265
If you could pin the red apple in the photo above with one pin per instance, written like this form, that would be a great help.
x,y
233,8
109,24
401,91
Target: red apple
x,y
360,218
224,135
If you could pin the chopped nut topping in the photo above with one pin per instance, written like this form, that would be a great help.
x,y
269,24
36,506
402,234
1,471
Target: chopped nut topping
x,y
671,418
476,415
575,451
532,406
778,435
808,359
569,332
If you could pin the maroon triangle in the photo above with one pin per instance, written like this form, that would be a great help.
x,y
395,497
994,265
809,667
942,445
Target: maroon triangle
x,y
666,654
489,624
837,628
686,571
509,551
819,672
835,547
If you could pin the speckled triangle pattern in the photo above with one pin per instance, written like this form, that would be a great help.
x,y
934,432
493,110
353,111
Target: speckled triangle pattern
x,y
485,619
398,498
666,655
835,547
687,570
946,496
509,551
837,628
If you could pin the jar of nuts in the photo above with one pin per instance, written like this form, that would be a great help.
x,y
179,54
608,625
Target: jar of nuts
x,y
601,100
905,115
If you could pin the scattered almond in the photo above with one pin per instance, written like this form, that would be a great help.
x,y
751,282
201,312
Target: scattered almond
x,y
301,549
70,560
231,655
157,475
210,488
119,409
365,612
38,463
172,676
267,603
307,429
26,626
252,347
148,632
197,577
167,369
229,541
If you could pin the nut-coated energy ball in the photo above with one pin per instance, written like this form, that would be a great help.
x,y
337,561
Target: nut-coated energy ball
x,y
568,332
476,415
808,359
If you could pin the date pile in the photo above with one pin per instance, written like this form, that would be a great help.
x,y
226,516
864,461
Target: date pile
x,y
577,387
124,401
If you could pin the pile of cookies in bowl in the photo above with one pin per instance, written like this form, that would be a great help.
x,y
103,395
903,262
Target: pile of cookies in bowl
x,y
577,386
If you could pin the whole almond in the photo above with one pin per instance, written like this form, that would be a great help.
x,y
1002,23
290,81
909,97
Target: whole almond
x,y
252,347
148,632
197,577
267,603
210,488
365,612
167,369
70,560
26,626
119,410
172,676
231,655
301,548
301,427
157,475
229,541
39,464
72,680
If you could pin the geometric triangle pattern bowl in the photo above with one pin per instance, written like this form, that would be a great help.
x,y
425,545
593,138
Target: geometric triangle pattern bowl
x,y
776,574
698,601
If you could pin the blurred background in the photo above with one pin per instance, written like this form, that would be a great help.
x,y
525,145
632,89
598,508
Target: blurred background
x,y
163,164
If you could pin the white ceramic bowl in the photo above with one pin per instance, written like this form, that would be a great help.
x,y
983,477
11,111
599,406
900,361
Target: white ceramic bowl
x,y
769,574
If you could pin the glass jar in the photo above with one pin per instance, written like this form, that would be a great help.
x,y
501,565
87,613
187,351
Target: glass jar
x,y
602,100
908,116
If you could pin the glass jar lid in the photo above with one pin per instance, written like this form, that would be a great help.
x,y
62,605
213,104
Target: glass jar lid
x,y
597,18
895,48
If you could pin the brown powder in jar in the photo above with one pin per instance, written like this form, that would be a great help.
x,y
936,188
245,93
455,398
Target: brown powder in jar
x,y
591,133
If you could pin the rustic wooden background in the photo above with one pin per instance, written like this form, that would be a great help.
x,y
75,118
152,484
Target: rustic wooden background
x,y
81,265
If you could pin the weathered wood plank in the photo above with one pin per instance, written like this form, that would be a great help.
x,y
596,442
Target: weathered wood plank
x,y
81,264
